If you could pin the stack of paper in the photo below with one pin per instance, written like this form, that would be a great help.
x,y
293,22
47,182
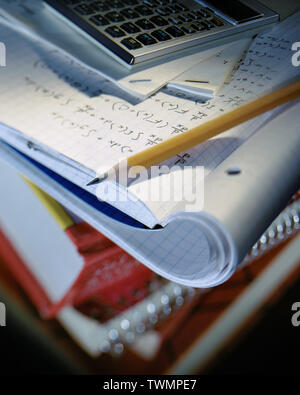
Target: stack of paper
x,y
63,129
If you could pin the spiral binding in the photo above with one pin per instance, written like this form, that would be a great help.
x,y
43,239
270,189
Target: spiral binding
x,y
124,329
284,226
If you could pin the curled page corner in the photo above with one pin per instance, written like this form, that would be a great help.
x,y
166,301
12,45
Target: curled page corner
x,y
208,257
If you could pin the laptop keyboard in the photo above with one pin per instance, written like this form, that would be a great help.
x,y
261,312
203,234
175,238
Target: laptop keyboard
x,y
135,24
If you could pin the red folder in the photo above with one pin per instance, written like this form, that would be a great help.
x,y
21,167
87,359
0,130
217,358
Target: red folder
x,y
110,277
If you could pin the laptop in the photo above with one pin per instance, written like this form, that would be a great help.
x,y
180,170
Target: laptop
x,y
137,31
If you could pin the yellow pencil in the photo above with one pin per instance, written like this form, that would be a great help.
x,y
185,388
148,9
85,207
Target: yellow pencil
x,y
55,209
165,150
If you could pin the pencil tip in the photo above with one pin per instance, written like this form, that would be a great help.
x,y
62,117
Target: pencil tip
x,y
97,180
94,182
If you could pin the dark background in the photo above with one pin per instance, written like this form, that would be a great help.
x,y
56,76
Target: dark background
x,y
270,348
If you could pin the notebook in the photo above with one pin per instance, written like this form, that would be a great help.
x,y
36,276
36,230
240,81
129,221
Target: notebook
x,y
199,249
75,131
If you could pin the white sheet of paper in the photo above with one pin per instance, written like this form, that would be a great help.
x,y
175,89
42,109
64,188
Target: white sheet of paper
x,y
209,75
